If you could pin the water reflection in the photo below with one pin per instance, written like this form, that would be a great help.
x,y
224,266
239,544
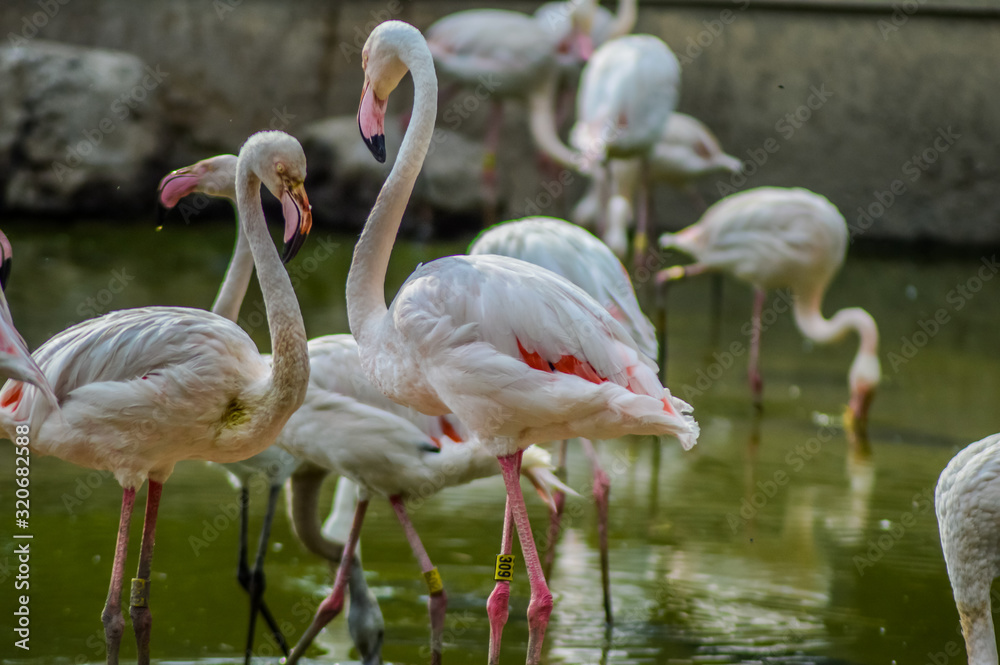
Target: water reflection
x,y
772,541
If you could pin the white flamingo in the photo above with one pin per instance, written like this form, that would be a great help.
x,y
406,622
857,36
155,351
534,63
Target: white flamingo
x,y
574,253
774,238
967,502
605,26
384,447
504,54
143,389
518,354
628,90
685,152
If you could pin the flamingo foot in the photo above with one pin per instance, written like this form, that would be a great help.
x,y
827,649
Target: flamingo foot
x,y
327,612
496,609
539,611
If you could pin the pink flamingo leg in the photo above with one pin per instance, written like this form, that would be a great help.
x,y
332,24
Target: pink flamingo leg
x,y
756,381
438,600
334,603
559,499
491,194
540,607
601,488
114,622
641,241
496,606
142,619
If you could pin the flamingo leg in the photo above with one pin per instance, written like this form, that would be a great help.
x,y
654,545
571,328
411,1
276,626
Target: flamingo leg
x,y
540,607
114,622
496,606
142,619
756,381
601,487
715,308
243,576
334,603
603,175
438,600
256,582
492,142
641,241
555,517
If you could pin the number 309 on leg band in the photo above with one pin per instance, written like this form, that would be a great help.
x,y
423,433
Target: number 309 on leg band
x,y
504,571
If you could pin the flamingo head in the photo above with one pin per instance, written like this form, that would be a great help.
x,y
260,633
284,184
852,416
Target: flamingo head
x,y
537,467
578,44
864,377
215,176
278,160
382,61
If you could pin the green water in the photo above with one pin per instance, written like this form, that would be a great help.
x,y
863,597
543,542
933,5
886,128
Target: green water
x,y
766,543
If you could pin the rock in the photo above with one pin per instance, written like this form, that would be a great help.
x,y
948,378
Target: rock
x,y
78,128
344,178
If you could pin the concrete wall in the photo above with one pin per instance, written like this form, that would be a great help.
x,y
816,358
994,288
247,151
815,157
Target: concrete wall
x,y
896,122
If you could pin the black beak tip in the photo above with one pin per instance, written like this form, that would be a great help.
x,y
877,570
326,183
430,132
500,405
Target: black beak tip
x,y
5,273
376,144
293,246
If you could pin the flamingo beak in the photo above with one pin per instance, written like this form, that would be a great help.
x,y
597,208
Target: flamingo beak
x,y
371,121
298,219
856,417
15,360
583,45
176,185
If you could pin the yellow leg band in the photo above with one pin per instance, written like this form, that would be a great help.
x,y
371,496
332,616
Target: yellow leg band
x,y
139,594
433,579
504,571
489,161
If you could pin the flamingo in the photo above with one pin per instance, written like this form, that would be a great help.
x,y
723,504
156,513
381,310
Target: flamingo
x,y
967,500
216,177
16,362
686,151
628,90
518,354
389,450
505,54
194,377
575,254
382,446
774,237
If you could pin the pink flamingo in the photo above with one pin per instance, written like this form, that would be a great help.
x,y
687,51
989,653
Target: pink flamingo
x,y
575,254
628,90
686,151
383,447
773,237
143,389
503,54
518,354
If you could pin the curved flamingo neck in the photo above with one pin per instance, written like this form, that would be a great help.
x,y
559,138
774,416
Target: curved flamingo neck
x,y
810,320
366,279
542,124
625,17
290,366
234,285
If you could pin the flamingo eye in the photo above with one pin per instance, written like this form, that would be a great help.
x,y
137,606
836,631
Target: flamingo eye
x,y
280,168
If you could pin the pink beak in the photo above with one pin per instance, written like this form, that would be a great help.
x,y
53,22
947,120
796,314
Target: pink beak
x,y
371,121
298,220
177,185
583,46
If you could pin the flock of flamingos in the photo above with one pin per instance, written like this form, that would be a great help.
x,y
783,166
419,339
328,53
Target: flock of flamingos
x,y
534,336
